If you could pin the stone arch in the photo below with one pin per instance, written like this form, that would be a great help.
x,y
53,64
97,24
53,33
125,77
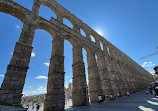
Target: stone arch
x,y
70,19
108,50
98,56
68,23
82,32
8,40
93,73
52,13
95,36
19,12
38,3
71,39
103,72
101,46
87,48
12,10
97,52
82,29
93,39
79,88
40,24
103,42
25,3
69,44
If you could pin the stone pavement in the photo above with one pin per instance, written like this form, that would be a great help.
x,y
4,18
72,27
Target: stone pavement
x,y
136,102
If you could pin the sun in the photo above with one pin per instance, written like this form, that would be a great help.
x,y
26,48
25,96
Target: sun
x,y
99,32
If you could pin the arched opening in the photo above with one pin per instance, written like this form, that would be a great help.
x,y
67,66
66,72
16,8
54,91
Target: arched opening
x,y
47,13
37,76
92,38
68,23
86,69
90,72
25,3
96,58
101,45
108,51
82,32
10,32
68,61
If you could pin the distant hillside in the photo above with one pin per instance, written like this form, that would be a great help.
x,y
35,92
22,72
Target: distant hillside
x,y
33,99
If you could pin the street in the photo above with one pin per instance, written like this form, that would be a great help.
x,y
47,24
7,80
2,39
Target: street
x,y
136,102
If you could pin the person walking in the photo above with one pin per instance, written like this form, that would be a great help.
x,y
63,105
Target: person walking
x,y
128,94
118,95
100,100
111,96
33,107
154,93
107,97
38,107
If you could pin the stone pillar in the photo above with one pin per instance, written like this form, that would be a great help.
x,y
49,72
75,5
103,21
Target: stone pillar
x,y
134,82
94,80
60,18
88,36
13,83
118,77
125,78
129,78
80,91
104,75
76,28
113,78
36,6
120,74
55,99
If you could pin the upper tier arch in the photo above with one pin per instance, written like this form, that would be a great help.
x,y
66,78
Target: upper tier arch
x,y
13,9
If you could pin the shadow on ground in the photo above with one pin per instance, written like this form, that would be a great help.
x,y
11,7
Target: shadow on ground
x,y
136,102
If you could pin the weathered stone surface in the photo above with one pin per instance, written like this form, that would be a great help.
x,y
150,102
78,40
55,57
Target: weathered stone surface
x,y
113,72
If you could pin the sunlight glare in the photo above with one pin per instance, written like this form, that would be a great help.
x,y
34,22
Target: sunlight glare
x,y
155,98
99,32
145,109
153,103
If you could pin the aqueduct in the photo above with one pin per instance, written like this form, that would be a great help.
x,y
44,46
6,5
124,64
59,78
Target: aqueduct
x,y
115,72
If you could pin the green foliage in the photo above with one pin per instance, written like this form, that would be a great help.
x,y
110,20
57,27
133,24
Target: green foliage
x,y
34,99
7,104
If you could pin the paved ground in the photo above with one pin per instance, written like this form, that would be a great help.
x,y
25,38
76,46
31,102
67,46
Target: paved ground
x,y
68,104
136,102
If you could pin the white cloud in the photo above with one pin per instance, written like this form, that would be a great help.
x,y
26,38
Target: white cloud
x,y
147,64
18,27
29,86
39,90
71,80
66,85
41,77
11,53
47,64
1,75
152,72
33,54
67,77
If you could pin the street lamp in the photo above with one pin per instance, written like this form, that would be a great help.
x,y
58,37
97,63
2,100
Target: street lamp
x,y
156,70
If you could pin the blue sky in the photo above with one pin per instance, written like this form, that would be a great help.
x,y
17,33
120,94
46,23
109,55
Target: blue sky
x,y
131,25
